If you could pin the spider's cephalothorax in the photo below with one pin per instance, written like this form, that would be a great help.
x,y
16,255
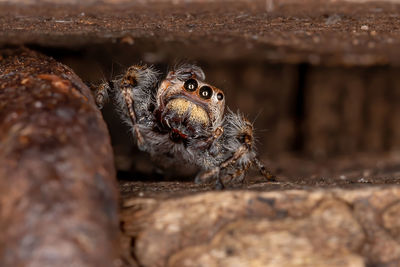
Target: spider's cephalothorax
x,y
182,117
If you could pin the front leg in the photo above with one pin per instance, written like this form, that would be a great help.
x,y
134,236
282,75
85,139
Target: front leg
x,y
216,171
264,172
129,103
238,142
101,93
236,171
134,93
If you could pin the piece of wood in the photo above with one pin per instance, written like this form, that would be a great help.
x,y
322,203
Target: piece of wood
x,y
58,197
246,228
290,31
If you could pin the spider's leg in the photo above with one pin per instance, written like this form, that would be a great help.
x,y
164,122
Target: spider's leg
x,y
239,141
216,134
207,175
239,174
101,94
239,171
135,86
208,143
234,158
219,185
132,114
215,172
264,172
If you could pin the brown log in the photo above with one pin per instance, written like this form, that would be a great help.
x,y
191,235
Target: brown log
x,y
58,197
287,228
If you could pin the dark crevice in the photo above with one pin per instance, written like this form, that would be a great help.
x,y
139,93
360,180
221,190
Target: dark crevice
x,y
299,108
133,254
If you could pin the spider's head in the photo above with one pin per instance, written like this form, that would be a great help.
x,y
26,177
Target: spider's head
x,y
185,93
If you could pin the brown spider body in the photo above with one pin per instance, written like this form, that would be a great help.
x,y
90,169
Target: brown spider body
x,y
182,118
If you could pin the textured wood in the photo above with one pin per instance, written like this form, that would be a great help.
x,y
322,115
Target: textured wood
x,y
58,198
288,228
288,31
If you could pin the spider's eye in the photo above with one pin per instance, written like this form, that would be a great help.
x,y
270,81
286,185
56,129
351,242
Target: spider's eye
x,y
220,96
190,85
206,92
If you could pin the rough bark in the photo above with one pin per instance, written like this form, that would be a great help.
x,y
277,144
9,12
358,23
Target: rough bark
x,y
287,228
58,198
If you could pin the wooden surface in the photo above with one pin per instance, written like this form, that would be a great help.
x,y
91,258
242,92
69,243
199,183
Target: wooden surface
x,y
316,32
288,228
58,197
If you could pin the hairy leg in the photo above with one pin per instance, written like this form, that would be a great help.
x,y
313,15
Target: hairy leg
x,y
132,115
101,94
214,173
264,172
238,142
236,173
133,93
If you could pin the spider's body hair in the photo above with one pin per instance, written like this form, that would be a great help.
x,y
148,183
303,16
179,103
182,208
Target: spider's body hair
x,y
140,83
178,131
238,132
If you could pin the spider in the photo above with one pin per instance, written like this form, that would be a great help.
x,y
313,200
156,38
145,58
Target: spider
x,y
182,118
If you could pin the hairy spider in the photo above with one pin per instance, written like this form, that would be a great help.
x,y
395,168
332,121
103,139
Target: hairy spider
x,y
182,118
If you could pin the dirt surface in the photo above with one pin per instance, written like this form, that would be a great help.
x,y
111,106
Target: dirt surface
x,y
351,172
307,31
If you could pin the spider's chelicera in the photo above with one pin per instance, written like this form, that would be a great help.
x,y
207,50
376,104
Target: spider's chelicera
x,y
183,117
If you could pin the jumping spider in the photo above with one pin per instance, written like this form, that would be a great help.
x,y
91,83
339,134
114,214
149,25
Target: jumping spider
x,y
182,118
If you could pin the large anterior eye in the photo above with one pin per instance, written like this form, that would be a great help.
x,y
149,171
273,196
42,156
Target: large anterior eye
x,y
190,85
206,92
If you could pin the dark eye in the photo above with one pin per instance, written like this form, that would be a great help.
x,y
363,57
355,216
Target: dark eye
x,y
220,96
206,92
190,85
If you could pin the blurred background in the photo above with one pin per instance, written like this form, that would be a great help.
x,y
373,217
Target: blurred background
x,y
300,110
